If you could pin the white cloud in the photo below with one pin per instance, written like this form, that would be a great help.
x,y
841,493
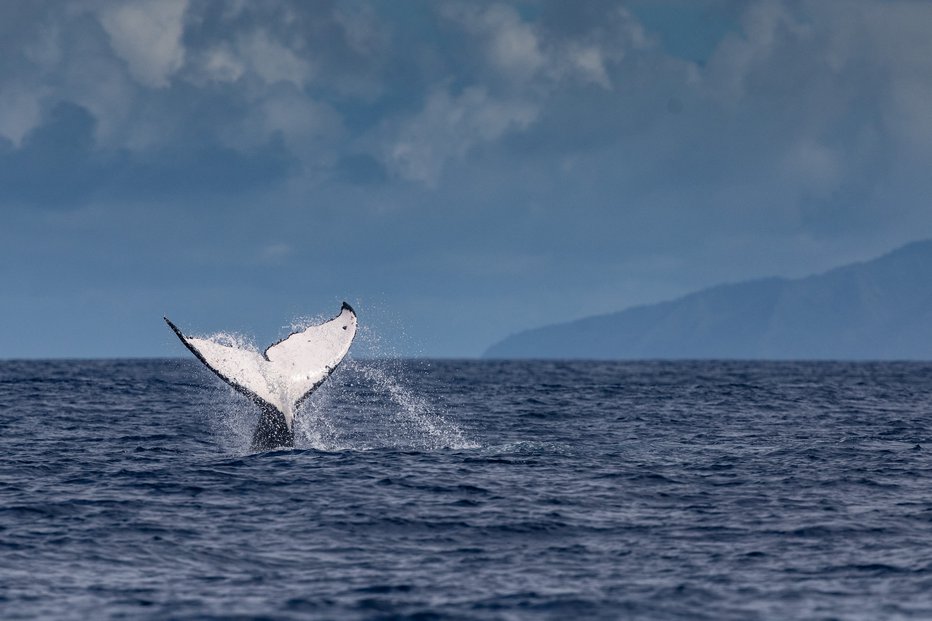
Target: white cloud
x,y
831,61
590,54
19,112
449,127
272,61
510,44
814,167
146,34
221,64
588,61
746,54
363,31
514,47
305,124
523,51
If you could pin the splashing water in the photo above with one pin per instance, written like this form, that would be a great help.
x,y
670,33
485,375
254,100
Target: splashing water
x,y
365,405
368,405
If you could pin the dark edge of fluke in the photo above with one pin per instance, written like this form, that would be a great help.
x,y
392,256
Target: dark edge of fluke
x,y
241,389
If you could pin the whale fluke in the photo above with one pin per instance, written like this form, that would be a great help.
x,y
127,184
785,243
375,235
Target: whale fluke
x,y
279,379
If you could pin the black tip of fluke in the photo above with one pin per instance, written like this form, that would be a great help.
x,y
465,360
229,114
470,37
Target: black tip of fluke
x,y
918,447
347,307
174,328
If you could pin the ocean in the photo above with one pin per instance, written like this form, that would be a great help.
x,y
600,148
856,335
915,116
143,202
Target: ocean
x,y
470,490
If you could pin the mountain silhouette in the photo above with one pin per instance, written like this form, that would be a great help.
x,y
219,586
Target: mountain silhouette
x,y
879,309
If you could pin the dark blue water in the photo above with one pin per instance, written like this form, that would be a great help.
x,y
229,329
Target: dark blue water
x,y
472,490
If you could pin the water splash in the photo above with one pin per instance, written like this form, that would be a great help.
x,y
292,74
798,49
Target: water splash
x,y
232,418
371,404
365,405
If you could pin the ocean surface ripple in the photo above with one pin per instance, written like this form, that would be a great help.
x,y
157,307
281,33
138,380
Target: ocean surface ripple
x,y
470,490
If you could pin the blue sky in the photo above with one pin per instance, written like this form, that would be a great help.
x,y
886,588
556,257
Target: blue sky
x,y
456,170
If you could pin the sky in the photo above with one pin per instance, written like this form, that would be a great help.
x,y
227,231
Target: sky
x,y
457,171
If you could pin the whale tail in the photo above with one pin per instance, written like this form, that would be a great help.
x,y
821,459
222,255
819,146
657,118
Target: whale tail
x,y
279,379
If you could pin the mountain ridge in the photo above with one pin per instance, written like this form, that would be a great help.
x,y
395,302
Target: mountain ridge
x,y
875,309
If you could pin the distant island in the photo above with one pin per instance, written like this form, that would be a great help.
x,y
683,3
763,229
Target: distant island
x,y
879,309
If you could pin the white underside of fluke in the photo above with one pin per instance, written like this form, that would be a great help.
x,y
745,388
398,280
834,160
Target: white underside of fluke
x,y
288,371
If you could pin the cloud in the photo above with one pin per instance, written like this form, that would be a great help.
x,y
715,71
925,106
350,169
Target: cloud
x,y
522,51
589,62
509,43
273,61
427,87
450,126
19,112
221,64
146,34
332,82
815,167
